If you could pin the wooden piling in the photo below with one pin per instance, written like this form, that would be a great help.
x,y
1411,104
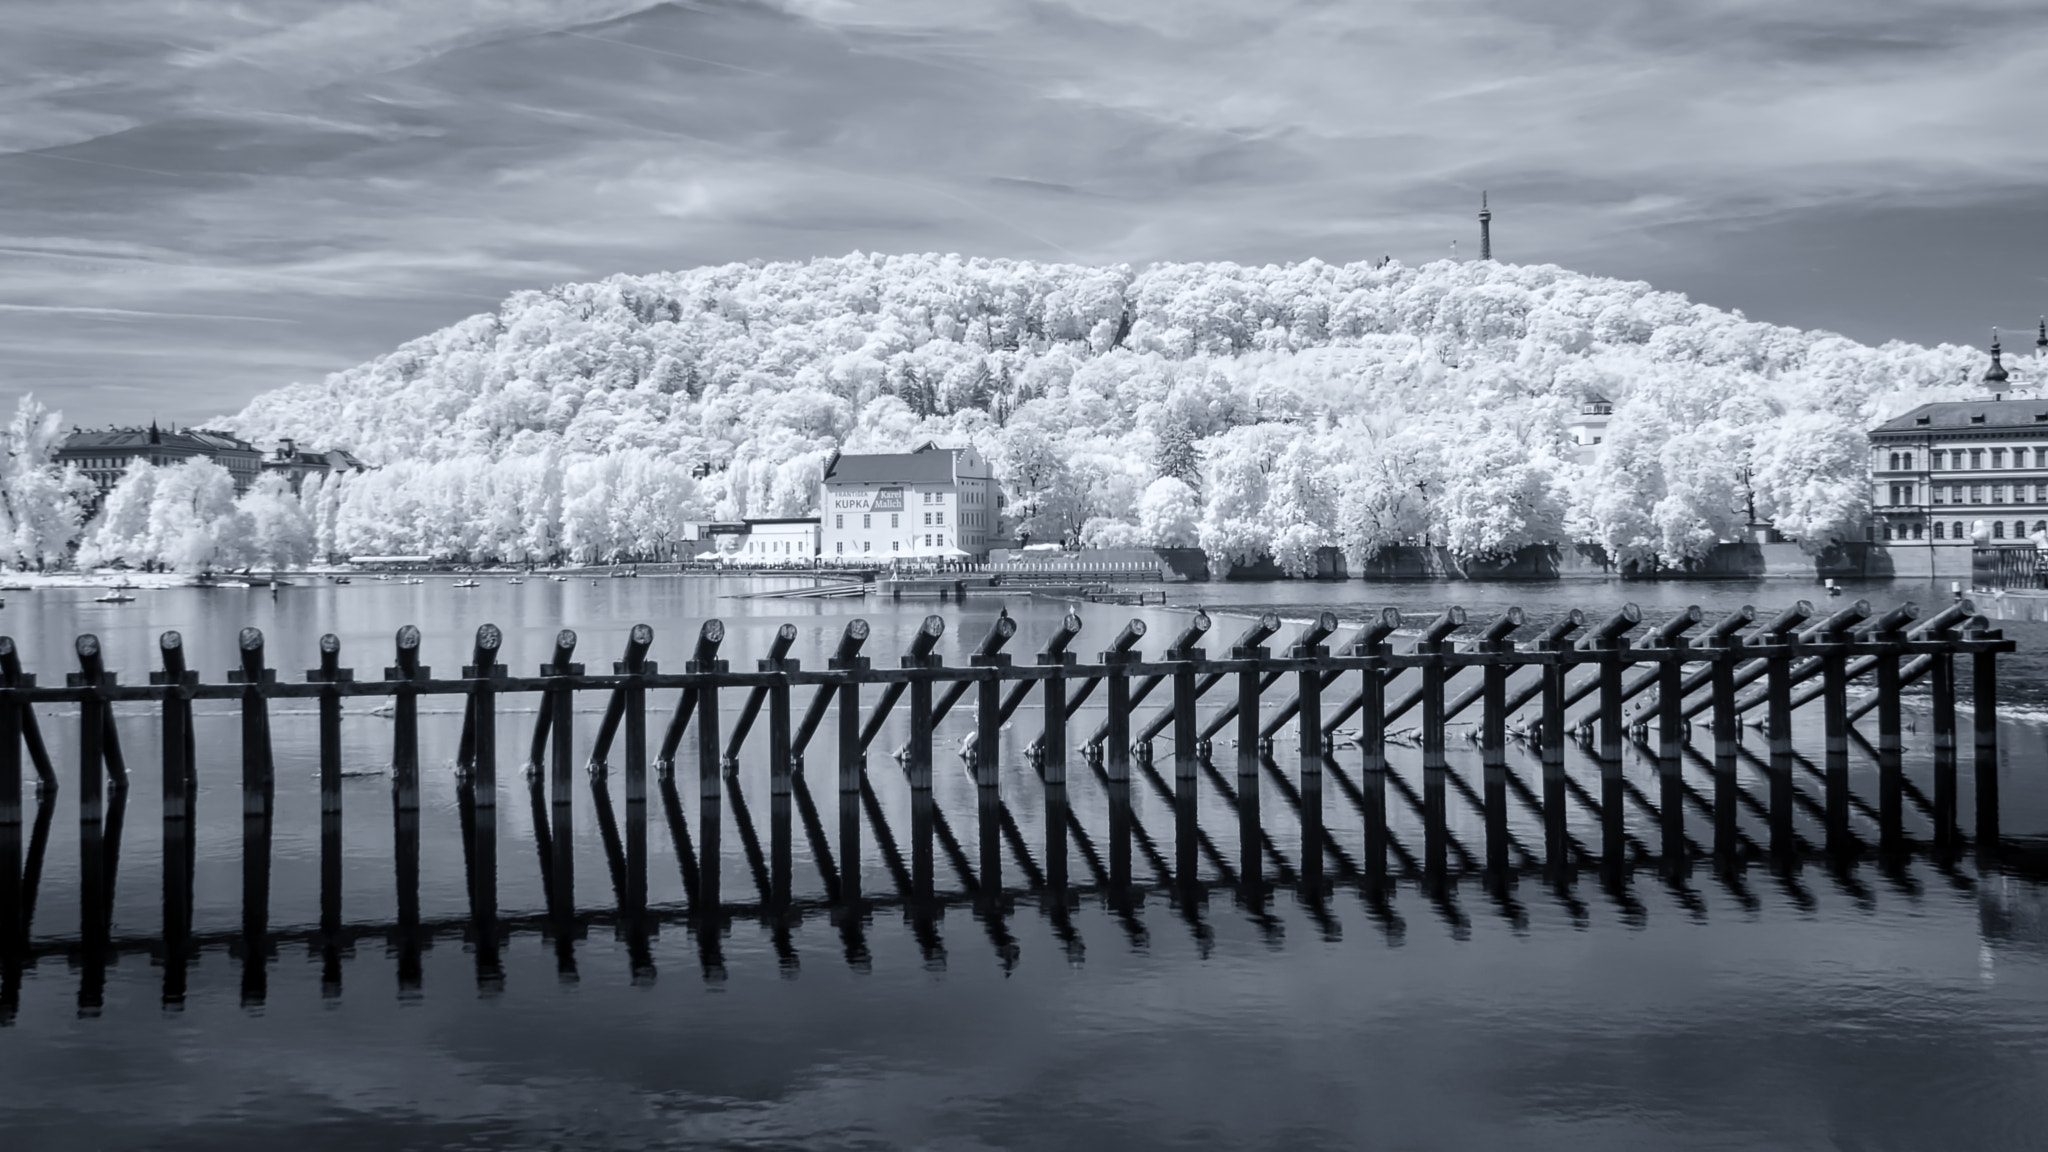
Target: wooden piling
x,y
1723,646
92,728
1778,719
12,933
1835,695
405,718
852,765
331,674
1891,799
1607,640
633,700
1942,703
1434,645
1190,660
1052,739
257,765
1117,693
988,709
710,794
31,731
176,744
1984,724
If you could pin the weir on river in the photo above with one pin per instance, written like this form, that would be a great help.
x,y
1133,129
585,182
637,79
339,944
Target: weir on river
x,y
1294,707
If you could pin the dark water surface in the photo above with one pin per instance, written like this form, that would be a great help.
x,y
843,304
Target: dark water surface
x,y
1211,993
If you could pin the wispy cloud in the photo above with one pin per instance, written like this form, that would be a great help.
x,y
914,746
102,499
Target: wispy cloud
x,y
372,169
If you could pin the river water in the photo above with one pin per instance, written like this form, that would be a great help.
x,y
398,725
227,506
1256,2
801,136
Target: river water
x,y
1850,1003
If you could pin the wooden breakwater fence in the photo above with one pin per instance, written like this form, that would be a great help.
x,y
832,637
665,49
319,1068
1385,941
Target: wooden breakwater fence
x,y
1673,672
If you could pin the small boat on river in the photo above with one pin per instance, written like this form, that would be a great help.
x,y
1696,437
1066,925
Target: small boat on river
x,y
467,584
115,596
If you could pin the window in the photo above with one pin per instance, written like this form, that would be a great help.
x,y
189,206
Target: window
x,y
2041,457
1998,457
892,519
1957,531
894,545
1887,530
2041,525
939,518
838,521
866,521
1916,531
1976,458
1998,493
927,519
1934,459
865,546
842,548
1938,526
1976,493
1907,457
1940,493
1998,529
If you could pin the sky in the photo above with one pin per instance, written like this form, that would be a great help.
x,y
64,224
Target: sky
x,y
201,201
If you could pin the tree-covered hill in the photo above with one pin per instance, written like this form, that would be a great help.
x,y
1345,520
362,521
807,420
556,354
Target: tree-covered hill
x,y
1257,410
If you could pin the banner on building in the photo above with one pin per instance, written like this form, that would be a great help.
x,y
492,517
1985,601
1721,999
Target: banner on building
x,y
869,500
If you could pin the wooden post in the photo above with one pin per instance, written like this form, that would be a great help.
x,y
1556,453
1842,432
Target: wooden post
x,y
1942,694
1725,648
333,675
1607,640
919,763
1372,742
176,761
852,764
1052,740
1435,646
1835,708
1493,751
1891,748
12,934
1550,742
257,769
633,703
1117,690
405,719
780,844
92,731
1984,766
31,732
481,788
1778,721
710,795
257,788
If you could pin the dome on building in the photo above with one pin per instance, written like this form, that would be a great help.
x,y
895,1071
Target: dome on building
x,y
1996,373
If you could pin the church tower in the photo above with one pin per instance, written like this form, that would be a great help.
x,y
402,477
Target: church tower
x,y
1995,376
1485,229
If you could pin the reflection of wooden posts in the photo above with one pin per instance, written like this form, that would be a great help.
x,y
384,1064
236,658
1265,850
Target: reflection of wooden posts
x,y
1117,693
1722,646
710,793
847,658
1984,764
257,788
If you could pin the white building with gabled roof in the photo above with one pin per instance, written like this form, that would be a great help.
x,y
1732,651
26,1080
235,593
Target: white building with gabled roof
x,y
930,504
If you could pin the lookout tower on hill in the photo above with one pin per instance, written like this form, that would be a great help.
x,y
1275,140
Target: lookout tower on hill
x,y
1485,229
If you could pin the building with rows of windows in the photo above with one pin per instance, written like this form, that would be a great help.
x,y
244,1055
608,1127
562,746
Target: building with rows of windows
x,y
1946,475
932,504
103,454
